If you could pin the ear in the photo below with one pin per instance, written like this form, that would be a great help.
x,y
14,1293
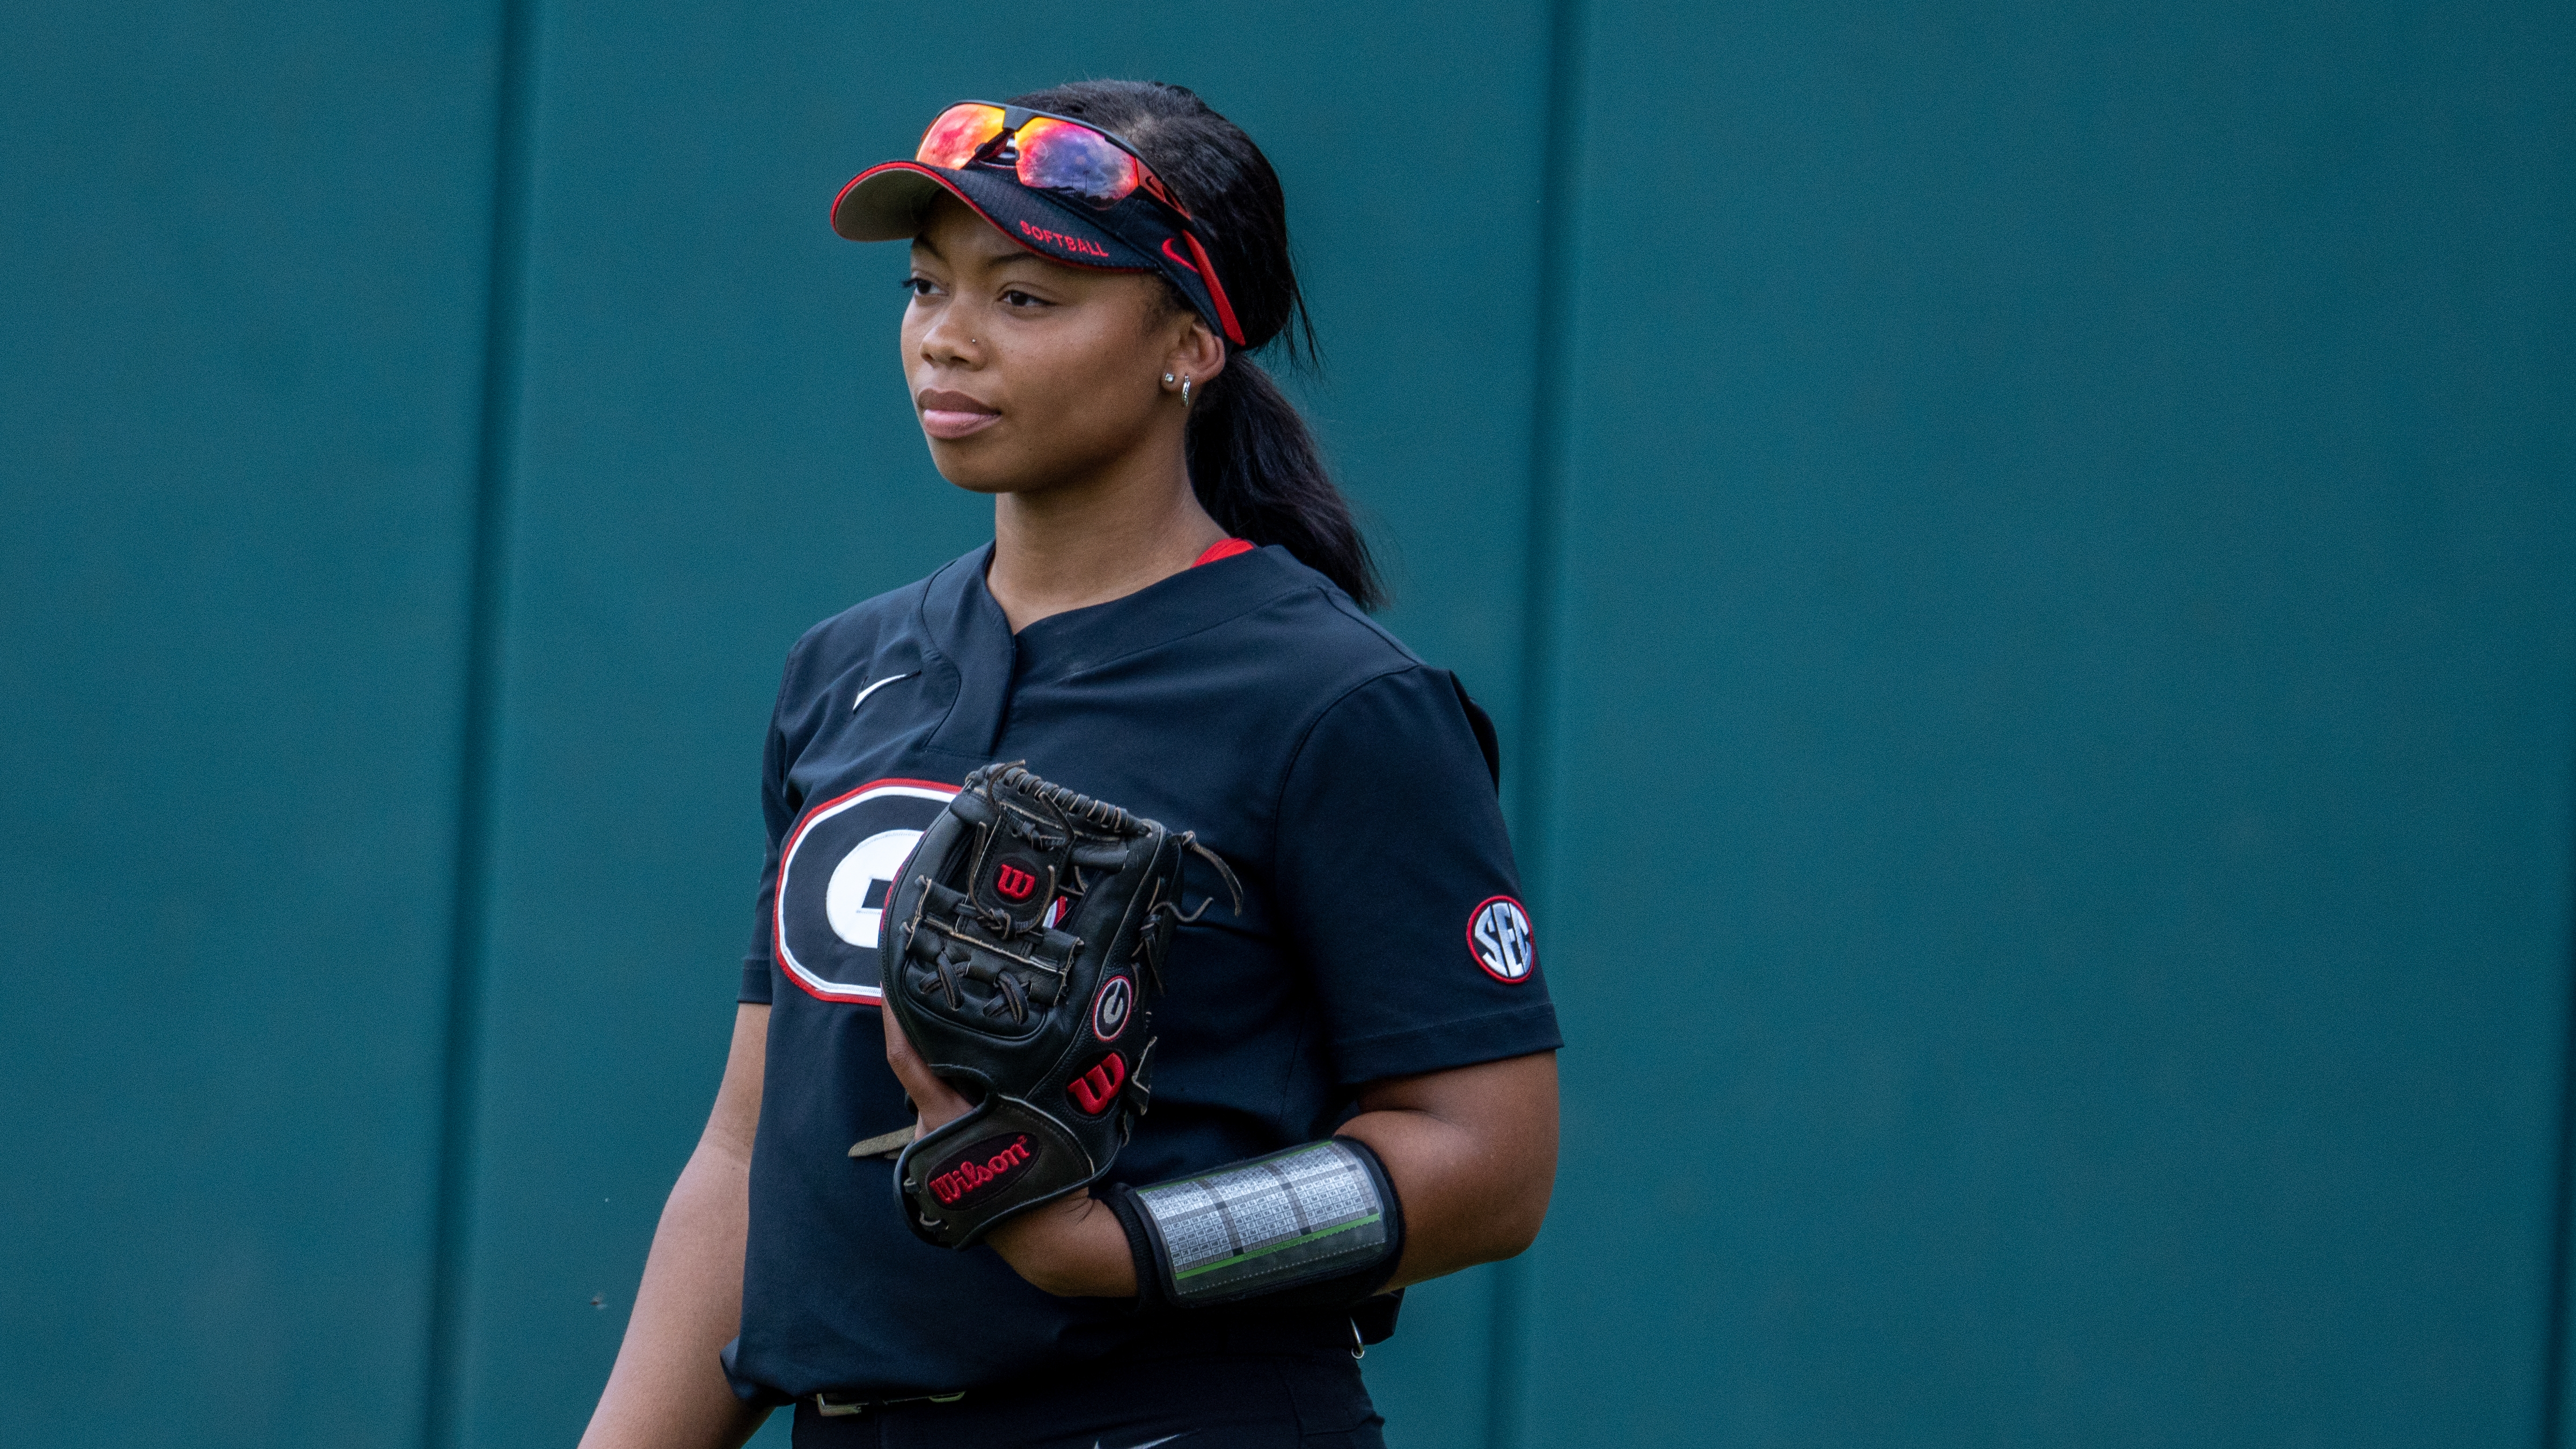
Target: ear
x,y
1196,353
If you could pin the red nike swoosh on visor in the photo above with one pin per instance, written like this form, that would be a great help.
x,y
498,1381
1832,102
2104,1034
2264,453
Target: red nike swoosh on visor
x,y
1176,256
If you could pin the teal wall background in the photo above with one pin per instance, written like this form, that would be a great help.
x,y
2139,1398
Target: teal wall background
x,y
2026,559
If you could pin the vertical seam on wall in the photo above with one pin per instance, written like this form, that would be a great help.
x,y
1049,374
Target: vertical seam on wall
x,y
479,727
2562,1192
1542,587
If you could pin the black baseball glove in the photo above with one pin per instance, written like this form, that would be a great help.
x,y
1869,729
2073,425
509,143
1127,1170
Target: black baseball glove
x,y
1026,938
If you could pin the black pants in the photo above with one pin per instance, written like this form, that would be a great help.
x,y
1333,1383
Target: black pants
x,y
1192,1395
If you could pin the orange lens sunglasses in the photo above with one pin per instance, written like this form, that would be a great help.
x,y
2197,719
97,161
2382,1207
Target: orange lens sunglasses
x,y
1050,153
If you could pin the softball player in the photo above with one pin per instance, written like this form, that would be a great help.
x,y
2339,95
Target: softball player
x,y
1169,616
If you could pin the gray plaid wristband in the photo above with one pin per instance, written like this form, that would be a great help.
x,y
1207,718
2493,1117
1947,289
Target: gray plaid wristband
x,y
1316,1222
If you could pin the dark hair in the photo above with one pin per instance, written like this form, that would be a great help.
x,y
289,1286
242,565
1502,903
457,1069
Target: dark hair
x,y
1252,461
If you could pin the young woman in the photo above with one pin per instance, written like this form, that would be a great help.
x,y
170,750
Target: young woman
x,y
1170,618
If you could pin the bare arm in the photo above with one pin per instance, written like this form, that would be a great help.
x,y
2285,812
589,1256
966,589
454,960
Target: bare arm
x,y
667,1390
1472,1151
1473,1154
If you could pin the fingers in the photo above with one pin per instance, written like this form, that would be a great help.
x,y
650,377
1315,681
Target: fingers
x,y
936,1101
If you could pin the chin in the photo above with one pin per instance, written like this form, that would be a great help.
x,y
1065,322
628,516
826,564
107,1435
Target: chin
x,y
972,469
977,465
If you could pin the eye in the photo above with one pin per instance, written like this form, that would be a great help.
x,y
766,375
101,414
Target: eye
x,y
919,286
1017,298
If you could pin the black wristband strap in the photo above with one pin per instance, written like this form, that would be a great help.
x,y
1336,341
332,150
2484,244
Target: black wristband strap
x,y
1394,1210
1151,1292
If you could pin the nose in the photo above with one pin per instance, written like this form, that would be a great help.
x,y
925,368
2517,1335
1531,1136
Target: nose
x,y
949,341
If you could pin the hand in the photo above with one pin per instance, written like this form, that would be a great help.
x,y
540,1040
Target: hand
x,y
1072,1247
938,1103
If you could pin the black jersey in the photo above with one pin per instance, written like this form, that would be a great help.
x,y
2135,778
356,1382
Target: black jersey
x,y
1248,700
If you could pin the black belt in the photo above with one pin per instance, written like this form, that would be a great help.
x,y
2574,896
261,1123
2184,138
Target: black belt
x,y
837,1406
1324,1333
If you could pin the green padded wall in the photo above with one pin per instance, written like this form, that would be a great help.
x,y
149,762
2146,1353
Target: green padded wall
x,y
2067,538
241,358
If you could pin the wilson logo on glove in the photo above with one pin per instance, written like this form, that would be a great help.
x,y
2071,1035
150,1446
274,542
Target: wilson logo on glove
x,y
1012,883
1094,1090
990,1161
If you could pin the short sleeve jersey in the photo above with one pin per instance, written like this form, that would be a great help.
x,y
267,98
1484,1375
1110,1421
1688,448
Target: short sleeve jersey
x,y
1247,700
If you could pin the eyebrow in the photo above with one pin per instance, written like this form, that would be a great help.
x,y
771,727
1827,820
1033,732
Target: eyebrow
x,y
1016,253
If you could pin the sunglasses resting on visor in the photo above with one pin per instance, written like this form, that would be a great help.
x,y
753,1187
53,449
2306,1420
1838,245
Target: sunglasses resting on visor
x,y
1048,152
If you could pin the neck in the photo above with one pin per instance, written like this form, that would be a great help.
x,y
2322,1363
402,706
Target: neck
x,y
1086,542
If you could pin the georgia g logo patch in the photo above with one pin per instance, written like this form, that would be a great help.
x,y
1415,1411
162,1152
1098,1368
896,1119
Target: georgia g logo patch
x,y
834,878
1499,937
1109,1009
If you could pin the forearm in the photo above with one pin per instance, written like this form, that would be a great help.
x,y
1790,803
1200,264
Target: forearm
x,y
1072,1248
1458,1212
1472,1154
1455,1215
668,1391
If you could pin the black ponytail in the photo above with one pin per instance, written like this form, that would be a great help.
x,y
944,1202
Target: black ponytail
x,y
1252,461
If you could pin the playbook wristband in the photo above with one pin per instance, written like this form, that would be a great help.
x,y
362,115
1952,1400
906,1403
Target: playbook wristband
x,y
1316,1226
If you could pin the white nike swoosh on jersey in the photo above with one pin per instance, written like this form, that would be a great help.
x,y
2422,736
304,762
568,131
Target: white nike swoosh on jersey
x,y
1150,1443
873,688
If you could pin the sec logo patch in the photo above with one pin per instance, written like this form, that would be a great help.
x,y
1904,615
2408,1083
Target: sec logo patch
x,y
1499,937
834,877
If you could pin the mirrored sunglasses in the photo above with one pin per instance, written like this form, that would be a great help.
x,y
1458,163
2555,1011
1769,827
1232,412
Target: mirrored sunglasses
x,y
1047,152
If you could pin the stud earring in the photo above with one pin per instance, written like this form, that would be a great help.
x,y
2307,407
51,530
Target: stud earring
x,y
1167,379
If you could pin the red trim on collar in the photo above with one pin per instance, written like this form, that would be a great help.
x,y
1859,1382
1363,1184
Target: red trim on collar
x,y
1224,548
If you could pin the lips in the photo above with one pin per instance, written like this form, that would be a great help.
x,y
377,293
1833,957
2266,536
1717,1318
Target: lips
x,y
952,415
